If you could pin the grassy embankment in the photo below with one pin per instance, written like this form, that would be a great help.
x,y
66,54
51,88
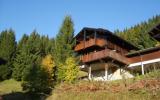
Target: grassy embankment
x,y
12,90
145,87
10,86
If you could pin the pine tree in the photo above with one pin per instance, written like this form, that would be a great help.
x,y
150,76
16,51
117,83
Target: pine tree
x,y
21,59
46,46
28,52
63,45
28,66
35,79
7,52
138,34
22,43
64,41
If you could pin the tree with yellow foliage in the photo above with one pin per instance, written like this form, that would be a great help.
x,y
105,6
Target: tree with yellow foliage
x,y
72,69
68,71
158,43
49,65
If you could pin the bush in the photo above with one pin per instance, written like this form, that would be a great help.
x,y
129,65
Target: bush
x,y
5,72
72,70
68,71
48,64
35,79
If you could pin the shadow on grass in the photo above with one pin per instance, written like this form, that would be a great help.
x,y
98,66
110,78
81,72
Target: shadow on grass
x,y
23,96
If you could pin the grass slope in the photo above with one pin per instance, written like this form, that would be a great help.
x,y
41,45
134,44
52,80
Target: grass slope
x,y
9,86
12,90
145,87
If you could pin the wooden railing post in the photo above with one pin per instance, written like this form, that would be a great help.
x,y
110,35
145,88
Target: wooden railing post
x,y
106,71
89,73
84,38
95,37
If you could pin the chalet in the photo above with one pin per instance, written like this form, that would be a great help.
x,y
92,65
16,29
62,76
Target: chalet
x,y
105,56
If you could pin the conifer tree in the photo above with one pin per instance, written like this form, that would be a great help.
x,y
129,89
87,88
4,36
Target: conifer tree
x,y
22,58
28,52
64,41
35,79
22,43
63,45
27,65
7,52
138,34
46,46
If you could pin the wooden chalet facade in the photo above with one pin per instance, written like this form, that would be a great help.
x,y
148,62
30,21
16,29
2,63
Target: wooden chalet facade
x,y
96,44
106,56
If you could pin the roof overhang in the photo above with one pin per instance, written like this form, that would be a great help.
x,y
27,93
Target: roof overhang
x,y
104,32
144,51
144,62
155,32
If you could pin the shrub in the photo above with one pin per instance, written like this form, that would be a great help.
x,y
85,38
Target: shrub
x,y
48,65
5,72
35,79
68,71
72,70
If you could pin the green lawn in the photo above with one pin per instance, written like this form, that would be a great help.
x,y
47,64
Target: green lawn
x,y
10,86
12,90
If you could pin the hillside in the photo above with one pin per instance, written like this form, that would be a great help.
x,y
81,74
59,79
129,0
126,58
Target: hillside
x,y
138,34
9,86
145,87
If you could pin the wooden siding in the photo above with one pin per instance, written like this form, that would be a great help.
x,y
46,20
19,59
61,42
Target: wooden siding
x,y
93,56
101,43
88,43
116,47
145,57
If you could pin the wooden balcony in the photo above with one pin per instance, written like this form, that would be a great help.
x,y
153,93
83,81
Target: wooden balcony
x,y
89,43
104,54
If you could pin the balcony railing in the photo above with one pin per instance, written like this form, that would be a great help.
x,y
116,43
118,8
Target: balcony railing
x,y
89,43
104,54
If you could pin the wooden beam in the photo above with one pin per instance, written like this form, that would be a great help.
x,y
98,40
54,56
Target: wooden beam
x,y
95,37
101,61
106,70
89,73
142,68
84,37
113,64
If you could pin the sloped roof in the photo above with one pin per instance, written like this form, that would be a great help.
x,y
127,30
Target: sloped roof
x,y
155,32
105,32
144,51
